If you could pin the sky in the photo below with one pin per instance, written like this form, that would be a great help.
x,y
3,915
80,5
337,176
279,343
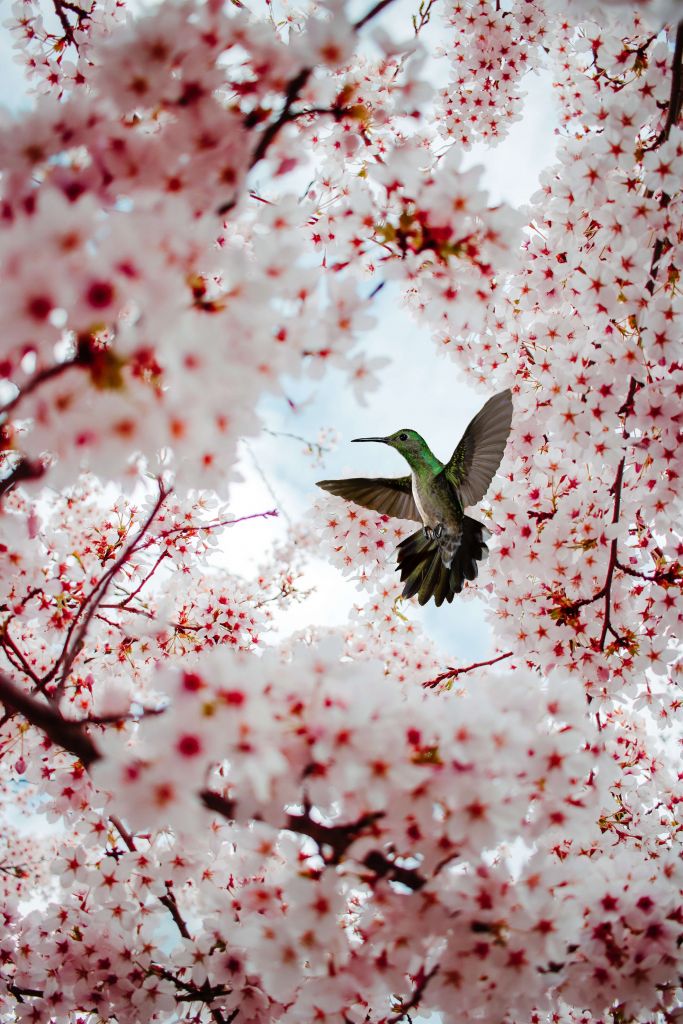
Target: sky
x,y
421,388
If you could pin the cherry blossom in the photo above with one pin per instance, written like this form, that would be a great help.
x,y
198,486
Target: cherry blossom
x,y
203,819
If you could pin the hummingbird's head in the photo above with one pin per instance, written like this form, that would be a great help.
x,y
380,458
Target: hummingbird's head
x,y
406,442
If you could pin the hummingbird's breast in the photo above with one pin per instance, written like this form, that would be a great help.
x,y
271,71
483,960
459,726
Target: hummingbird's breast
x,y
435,502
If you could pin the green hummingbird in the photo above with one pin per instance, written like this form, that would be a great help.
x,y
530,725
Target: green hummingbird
x,y
437,559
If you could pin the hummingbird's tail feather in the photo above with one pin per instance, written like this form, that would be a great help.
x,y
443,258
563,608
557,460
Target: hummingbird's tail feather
x,y
423,571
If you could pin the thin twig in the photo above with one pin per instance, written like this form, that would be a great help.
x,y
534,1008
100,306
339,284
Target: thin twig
x,y
453,673
372,13
75,637
35,381
607,624
293,91
25,469
168,900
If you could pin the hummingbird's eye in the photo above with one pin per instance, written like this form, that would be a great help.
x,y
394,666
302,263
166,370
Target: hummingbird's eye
x,y
403,437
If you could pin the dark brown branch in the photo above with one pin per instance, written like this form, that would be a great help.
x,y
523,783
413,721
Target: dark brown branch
x,y
25,469
381,866
61,7
35,382
664,577
18,992
168,900
568,611
606,624
204,993
216,525
134,593
453,673
372,13
292,94
676,95
220,804
293,90
14,654
125,716
422,980
337,837
46,717
626,409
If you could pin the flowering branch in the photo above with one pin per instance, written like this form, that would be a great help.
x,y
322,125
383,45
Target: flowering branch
x,y
423,979
453,673
676,97
61,7
14,655
292,94
168,900
71,736
568,611
664,577
607,589
337,837
39,378
216,525
25,469
47,717
72,647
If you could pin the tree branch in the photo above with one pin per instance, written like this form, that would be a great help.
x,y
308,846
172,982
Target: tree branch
x,y
35,381
75,637
46,717
372,13
338,837
676,95
569,610
168,900
61,7
607,589
293,90
378,863
422,980
453,673
25,469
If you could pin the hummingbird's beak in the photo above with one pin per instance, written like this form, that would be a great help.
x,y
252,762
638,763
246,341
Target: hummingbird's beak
x,y
382,440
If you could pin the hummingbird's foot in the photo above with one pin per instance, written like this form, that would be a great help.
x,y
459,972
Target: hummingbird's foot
x,y
433,532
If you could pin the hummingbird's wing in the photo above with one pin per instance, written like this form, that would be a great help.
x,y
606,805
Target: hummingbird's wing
x,y
479,454
391,497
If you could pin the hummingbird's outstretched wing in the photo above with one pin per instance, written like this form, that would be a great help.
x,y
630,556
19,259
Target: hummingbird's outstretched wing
x,y
476,459
391,497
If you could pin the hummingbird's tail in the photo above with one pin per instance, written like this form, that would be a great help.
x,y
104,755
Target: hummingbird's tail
x,y
422,568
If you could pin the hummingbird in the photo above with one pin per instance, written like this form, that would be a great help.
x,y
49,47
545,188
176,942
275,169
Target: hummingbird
x,y
437,559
